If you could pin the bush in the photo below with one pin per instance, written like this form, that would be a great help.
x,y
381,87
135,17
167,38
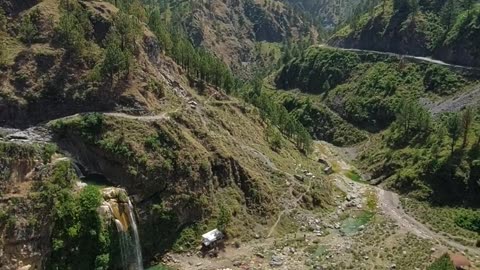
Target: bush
x,y
223,218
187,240
469,221
48,150
29,31
442,263
274,138
441,80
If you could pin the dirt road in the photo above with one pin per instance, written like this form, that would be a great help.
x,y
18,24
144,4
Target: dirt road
x,y
391,206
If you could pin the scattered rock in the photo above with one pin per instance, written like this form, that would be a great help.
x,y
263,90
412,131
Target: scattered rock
x,y
393,266
276,261
299,177
351,197
260,255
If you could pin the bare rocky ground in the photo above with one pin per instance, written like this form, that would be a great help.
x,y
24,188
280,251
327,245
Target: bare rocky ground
x,y
366,229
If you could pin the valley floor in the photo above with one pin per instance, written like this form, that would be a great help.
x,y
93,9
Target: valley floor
x,y
368,229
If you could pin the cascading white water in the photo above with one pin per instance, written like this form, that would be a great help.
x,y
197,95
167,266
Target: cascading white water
x,y
138,250
123,241
122,213
78,171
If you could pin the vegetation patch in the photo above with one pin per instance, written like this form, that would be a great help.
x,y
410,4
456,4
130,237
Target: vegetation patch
x,y
354,176
442,263
459,223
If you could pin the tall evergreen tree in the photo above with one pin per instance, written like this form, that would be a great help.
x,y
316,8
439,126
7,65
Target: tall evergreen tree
x,y
467,120
454,128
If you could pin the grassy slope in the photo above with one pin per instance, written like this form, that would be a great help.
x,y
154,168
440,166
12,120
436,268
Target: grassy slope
x,y
218,153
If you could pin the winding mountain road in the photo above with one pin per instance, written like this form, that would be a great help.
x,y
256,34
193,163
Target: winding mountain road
x,y
423,59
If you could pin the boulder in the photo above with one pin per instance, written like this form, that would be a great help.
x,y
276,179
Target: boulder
x,y
276,261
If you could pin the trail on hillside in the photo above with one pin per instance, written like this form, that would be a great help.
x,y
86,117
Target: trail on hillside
x,y
290,206
391,206
41,134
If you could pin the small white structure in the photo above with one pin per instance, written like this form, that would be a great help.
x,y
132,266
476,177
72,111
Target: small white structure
x,y
212,237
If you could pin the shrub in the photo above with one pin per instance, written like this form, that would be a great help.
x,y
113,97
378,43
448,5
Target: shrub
x,y
47,152
469,221
441,80
223,218
442,263
28,30
187,240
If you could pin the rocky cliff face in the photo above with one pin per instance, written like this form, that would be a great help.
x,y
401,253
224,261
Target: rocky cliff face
x,y
329,13
230,29
394,37
25,224
420,33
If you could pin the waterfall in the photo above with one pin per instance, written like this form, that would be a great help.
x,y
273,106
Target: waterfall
x,y
138,250
122,213
78,171
123,241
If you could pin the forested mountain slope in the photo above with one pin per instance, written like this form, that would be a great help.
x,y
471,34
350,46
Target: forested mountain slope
x,y
430,158
234,30
330,14
154,118
446,30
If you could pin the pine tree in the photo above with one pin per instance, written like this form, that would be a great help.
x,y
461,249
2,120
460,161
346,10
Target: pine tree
x,y
467,120
28,27
454,128
116,61
70,33
127,28
3,20
3,53
448,13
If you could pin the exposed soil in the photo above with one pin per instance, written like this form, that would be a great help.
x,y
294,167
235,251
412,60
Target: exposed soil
x,y
455,103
